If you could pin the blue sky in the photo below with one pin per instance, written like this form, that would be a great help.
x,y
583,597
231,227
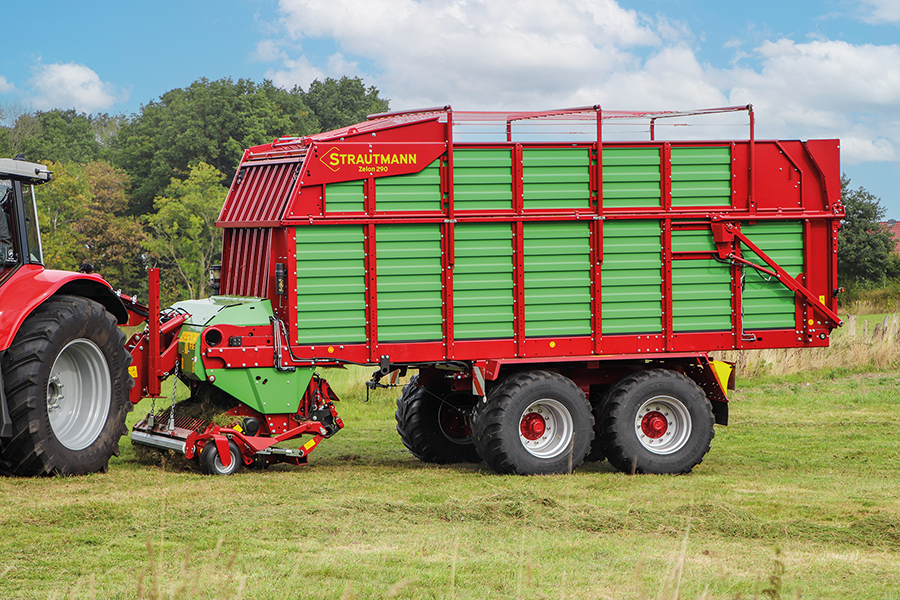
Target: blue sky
x,y
811,69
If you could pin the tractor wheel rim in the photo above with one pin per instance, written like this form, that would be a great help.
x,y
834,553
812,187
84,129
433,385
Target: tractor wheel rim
x,y
663,424
79,392
546,428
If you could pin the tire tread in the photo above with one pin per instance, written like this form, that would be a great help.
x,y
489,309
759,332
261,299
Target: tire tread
x,y
26,453
489,419
617,452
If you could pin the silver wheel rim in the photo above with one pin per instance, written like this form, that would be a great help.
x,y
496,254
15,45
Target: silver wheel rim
x,y
217,462
78,394
558,428
663,425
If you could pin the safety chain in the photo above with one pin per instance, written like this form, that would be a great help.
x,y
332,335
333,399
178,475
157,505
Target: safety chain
x,y
151,416
172,406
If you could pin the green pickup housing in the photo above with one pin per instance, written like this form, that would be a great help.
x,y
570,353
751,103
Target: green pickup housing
x,y
264,389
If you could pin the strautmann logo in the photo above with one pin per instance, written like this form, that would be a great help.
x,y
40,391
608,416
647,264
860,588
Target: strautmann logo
x,y
370,162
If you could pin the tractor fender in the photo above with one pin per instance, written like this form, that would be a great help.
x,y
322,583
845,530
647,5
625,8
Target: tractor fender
x,y
31,285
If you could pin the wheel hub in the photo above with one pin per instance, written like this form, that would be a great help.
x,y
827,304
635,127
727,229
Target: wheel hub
x,y
654,425
54,393
663,425
546,428
454,421
533,426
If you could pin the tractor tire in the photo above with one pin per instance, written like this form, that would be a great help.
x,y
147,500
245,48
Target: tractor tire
x,y
657,421
66,380
212,464
433,423
534,423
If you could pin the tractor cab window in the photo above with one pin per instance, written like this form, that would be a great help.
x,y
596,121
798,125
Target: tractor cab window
x,y
7,221
8,258
32,231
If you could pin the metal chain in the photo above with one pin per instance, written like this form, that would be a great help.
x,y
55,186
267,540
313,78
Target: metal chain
x,y
172,406
151,417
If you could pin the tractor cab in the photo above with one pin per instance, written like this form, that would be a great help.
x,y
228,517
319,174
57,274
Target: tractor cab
x,y
20,238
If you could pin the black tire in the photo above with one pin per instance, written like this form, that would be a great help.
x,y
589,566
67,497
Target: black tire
x,y
433,423
598,396
66,380
657,421
534,423
212,464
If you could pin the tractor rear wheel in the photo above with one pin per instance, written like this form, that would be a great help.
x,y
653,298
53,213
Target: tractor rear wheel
x,y
66,381
433,423
534,423
657,421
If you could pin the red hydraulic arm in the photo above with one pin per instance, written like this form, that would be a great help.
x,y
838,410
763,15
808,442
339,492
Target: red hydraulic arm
x,y
724,234
154,350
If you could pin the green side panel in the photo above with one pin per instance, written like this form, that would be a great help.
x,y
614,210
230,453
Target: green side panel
x,y
331,284
265,388
556,177
693,240
701,176
483,281
701,288
557,279
482,179
418,191
769,304
631,277
347,196
409,282
631,177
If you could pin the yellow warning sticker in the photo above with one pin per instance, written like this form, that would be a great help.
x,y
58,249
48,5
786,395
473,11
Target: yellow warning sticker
x,y
189,338
132,370
310,444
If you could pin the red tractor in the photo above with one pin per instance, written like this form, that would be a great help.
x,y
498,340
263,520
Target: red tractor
x,y
65,377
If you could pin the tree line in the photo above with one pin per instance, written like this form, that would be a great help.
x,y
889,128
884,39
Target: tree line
x,y
145,190
866,251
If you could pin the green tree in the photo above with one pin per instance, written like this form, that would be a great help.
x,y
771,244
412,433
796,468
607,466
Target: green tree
x,y
62,203
183,238
81,215
864,247
62,135
19,125
113,240
341,102
209,121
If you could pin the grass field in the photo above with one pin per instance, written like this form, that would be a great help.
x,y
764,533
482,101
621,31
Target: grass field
x,y
799,497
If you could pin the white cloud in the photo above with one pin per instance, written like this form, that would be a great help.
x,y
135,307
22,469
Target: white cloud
x,y
515,54
826,89
73,85
671,79
6,87
268,51
295,72
881,11
486,53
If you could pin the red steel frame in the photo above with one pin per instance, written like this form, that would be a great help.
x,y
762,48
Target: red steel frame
x,y
758,195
